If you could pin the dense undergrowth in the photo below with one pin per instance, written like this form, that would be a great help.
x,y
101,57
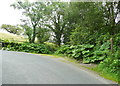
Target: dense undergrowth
x,y
28,47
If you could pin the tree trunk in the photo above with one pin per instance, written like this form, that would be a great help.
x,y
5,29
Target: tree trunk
x,y
59,42
111,46
34,34
30,41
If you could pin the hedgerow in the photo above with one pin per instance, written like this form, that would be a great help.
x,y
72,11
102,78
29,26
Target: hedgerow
x,y
27,47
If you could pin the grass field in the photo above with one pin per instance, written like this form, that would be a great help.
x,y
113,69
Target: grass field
x,y
12,37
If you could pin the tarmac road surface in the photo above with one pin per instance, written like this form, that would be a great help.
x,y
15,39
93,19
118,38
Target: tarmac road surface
x,y
24,68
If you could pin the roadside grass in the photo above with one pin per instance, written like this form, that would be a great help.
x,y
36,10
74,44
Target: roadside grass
x,y
12,37
107,74
56,56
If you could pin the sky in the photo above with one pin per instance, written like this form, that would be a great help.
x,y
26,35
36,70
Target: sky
x,y
8,15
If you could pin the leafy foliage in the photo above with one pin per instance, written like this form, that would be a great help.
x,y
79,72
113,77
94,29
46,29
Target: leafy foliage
x,y
43,35
57,20
89,53
111,64
27,47
34,15
77,52
28,31
12,29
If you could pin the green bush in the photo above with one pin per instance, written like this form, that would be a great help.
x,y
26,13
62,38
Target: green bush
x,y
112,62
51,47
99,53
33,48
77,52
26,47
88,53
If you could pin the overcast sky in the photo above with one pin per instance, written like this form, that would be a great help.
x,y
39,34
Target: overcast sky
x,y
8,15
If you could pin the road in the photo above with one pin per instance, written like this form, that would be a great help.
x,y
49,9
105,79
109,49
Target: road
x,y
24,68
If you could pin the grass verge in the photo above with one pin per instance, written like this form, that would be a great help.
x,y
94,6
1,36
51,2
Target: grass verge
x,y
12,37
106,74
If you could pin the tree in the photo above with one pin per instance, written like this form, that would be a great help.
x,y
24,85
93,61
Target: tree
x,y
34,14
43,35
57,20
87,21
111,11
12,29
27,31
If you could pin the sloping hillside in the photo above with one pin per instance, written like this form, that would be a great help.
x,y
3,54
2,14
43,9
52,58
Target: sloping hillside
x,y
12,37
